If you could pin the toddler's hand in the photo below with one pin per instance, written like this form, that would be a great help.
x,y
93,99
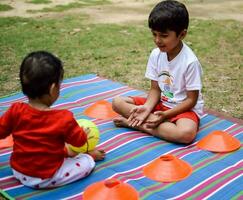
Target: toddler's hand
x,y
86,130
69,151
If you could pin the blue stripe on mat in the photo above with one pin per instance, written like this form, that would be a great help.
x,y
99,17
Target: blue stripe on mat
x,y
129,150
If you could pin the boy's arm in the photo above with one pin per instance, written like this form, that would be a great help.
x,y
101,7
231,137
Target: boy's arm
x,y
186,105
154,96
140,113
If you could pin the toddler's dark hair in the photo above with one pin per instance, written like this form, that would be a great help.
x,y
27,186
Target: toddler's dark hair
x,y
169,15
38,71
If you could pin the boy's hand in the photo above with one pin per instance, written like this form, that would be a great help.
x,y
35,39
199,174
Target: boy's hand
x,y
138,115
155,121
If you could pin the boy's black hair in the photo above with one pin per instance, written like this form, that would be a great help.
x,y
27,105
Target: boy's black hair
x,y
38,71
169,15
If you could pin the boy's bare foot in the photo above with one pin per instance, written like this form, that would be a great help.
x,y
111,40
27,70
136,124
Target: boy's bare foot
x,y
120,121
123,122
97,154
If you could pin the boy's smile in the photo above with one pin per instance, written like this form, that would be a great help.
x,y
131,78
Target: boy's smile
x,y
168,42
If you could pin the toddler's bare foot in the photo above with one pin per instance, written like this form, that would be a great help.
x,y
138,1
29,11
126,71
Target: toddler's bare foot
x,y
97,154
121,121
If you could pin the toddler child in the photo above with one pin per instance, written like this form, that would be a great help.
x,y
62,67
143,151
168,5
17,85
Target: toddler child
x,y
40,133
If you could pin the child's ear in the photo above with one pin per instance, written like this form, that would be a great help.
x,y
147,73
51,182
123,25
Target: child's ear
x,y
52,89
183,34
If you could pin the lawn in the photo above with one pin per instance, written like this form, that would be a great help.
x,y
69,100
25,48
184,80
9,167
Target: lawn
x,y
4,7
120,52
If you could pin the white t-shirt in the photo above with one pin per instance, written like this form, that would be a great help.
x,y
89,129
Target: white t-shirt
x,y
177,76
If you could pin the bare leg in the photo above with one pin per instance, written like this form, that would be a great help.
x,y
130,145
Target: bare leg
x,y
123,105
183,131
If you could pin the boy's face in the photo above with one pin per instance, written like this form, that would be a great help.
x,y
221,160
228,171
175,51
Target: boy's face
x,y
168,41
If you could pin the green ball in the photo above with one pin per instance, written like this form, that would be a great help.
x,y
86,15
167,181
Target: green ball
x,y
92,138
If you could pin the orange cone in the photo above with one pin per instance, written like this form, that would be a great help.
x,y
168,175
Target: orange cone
x,y
219,141
167,168
7,142
111,189
101,110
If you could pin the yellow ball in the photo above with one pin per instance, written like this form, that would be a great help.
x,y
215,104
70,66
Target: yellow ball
x,y
92,138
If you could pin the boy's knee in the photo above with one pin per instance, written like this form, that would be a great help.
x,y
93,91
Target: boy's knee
x,y
115,102
186,136
116,99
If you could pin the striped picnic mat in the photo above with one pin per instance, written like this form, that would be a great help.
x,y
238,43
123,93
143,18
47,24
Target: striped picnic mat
x,y
215,175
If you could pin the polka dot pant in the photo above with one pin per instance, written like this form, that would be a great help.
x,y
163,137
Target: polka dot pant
x,y
71,170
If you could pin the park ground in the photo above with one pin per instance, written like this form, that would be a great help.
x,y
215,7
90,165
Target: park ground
x,y
216,37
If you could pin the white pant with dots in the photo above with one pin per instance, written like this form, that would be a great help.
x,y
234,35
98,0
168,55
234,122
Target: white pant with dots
x,y
71,170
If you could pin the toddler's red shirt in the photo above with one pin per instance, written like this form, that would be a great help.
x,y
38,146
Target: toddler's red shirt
x,y
39,138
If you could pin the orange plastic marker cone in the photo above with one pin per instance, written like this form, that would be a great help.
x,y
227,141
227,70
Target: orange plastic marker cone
x,y
167,168
101,110
219,141
7,142
111,189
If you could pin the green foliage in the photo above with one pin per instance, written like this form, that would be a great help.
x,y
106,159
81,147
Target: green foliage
x,y
79,4
38,1
219,44
120,52
4,7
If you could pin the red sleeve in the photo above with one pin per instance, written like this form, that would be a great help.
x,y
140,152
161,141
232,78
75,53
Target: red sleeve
x,y
6,123
75,134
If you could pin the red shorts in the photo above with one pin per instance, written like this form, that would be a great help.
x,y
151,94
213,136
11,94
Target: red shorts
x,y
160,107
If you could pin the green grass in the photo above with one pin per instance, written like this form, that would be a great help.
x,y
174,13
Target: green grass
x,y
4,7
219,46
120,52
38,1
79,4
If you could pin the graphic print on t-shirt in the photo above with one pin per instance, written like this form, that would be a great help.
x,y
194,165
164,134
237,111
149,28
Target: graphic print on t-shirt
x,y
165,83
